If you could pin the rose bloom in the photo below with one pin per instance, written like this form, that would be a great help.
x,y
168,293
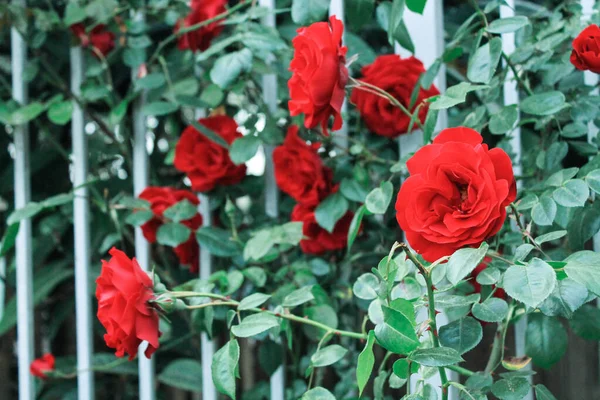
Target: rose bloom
x,y
204,162
456,194
201,10
123,290
99,37
318,240
299,171
41,366
397,76
586,50
161,198
319,74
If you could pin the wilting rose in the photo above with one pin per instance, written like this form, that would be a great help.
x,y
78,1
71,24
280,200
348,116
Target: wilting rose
x,y
123,291
299,171
586,50
206,163
99,37
456,195
41,366
319,74
161,198
397,76
318,240
201,10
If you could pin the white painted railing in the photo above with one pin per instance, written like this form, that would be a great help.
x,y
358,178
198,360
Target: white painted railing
x,y
336,7
23,245
83,299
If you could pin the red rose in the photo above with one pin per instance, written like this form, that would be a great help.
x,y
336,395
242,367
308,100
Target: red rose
x,y
398,77
319,74
201,10
318,239
100,38
41,366
206,163
299,171
123,291
456,194
586,50
161,198
499,293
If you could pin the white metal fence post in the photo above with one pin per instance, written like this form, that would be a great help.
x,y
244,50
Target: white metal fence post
x,y
2,286
24,246
147,385
83,300
336,7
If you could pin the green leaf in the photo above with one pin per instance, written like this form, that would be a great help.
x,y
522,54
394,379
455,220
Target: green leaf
x,y
366,286
330,210
530,284
550,236
256,275
243,149
230,66
328,355
436,356
30,210
545,340
159,108
586,323
507,25
504,121
357,11
253,301
73,13
544,212
150,81
212,95
182,374
586,274
60,112
395,19
483,64
489,276
353,190
555,154
210,135
454,95
543,104
224,368
298,297
172,234
139,217
318,393
464,261
27,113
217,241
365,363
355,226
396,333
9,238
491,310
565,299
461,335
378,199
416,5
305,12
542,393
511,389
181,211
593,180
574,130
573,193
255,324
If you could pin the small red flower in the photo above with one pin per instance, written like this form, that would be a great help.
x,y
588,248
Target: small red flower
x,y
299,171
318,240
206,163
319,74
161,198
201,10
456,195
586,50
123,291
99,37
397,76
41,366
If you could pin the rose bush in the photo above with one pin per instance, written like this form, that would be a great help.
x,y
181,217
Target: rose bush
x,y
385,248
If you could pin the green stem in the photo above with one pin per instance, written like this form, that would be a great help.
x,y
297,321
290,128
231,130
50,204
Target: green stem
x,y
461,370
497,354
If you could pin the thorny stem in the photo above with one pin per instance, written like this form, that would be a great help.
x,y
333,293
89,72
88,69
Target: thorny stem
x,y
524,231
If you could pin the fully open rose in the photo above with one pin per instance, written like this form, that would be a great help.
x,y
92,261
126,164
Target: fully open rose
x,y
318,240
456,194
161,198
123,290
299,170
206,163
397,76
201,10
319,74
586,50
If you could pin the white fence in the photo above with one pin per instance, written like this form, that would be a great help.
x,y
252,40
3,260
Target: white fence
x,y
427,33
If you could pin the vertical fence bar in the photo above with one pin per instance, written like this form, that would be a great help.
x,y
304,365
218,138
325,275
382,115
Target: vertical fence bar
x,y
24,248
142,247
336,7
269,87
511,96
2,286
83,300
